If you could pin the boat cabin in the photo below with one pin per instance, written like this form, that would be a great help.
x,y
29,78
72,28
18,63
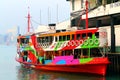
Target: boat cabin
x,y
74,43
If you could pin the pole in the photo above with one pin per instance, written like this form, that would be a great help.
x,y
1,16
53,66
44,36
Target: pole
x,y
18,30
40,16
28,28
49,16
86,4
28,22
57,13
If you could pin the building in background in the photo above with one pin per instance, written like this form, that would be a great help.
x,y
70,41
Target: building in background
x,y
101,14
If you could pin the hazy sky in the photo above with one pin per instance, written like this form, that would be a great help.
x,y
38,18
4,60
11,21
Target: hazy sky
x,y
13,13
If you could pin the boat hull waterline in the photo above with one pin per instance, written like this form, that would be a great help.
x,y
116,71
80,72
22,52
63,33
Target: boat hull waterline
x,y
92,68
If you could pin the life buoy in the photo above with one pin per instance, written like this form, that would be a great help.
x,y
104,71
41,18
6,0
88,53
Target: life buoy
x,y
77,43
72,43
40,44
91,42
68,44
47,44
81,41
62,44
96,41
58,45
86,42
44,45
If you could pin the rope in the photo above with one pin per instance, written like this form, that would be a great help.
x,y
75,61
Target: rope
x,y
35,22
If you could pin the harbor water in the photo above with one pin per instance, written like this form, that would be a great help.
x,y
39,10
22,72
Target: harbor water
x,y
11,70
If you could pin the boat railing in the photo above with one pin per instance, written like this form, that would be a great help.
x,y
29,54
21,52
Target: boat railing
x,y
44,45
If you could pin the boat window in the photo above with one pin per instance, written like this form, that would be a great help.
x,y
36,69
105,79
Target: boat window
x,y
63,30
48,56
22,40
25,40
82,3
51,39
84,53
90,35
84,35
95,52
68,37
46,39
56,39
18,41
97,34
77,53
78,36
57,31
72,36
42,39
60,38
64,38
73,5
38,39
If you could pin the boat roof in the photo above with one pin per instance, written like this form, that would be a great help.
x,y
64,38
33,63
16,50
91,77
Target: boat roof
x,y
45,34
93,30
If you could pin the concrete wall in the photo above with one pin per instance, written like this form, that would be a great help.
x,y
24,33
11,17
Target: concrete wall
x,y
117,36
100,11
109,9
77,5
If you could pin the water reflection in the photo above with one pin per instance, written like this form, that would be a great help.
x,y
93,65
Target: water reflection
x,y
8,70
113,76
30,74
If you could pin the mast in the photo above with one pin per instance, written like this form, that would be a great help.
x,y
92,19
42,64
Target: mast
x,y
18,30
28,17
86,4
40,16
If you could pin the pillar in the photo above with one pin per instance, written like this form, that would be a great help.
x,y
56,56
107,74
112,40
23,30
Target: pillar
x,y
112,35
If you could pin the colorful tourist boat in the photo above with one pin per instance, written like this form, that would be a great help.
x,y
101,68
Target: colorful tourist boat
x,y
66,51
69,51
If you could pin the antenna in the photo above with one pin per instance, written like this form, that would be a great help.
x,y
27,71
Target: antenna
x,y
49,16
28,17
57,13
18,30
40,16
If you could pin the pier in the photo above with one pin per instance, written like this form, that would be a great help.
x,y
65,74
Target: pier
x,y
114,66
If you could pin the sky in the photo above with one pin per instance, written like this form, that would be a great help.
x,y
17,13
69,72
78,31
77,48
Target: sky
x,y
13,13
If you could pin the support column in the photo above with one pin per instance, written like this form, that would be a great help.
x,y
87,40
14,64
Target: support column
x,y
112,35
104,2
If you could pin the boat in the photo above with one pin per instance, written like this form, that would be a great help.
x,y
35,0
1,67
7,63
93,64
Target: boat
x,y
78,51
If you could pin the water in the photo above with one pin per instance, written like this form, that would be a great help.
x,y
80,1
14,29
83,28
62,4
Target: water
x,y
11,70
